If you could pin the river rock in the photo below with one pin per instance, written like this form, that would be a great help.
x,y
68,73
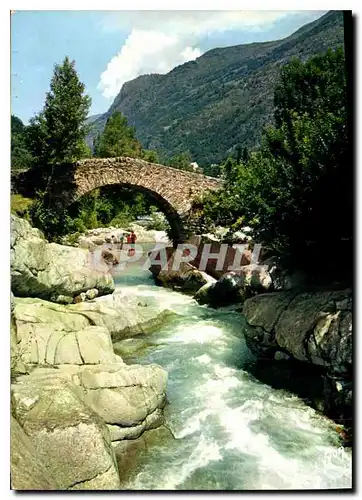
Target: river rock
x,y
87,243
96,240
307,325
282,279
227,290
42,269
132,453
202,294
311,327
49,333
17,365
28,471
62,299
91,294
152,421
125,397
110,256
187,279
233,258
235,286
129,398
70,438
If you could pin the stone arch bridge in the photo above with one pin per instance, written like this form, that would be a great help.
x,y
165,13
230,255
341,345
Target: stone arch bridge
x,y
171,189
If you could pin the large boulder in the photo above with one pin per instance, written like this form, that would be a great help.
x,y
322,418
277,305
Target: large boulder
x,y
77,342
28,471
52,334
282,279
232,256
235,286
69,437
129,398
187,279
203,295
309,328
211,267
45,270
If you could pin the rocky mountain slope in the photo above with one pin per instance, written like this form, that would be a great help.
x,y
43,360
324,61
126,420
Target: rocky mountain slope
x,y
222,99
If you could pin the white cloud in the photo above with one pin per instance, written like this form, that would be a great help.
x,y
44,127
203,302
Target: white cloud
x,y
160,40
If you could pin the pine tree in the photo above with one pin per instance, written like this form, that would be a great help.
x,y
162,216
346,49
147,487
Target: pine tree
x,y
20,155
118,139
57,134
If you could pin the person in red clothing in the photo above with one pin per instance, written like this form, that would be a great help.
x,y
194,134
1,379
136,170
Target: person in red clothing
x,y
133,237
131,240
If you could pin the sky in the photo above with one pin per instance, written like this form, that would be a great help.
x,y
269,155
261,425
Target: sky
x,y
113,47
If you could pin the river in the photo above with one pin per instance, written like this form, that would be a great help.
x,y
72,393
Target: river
x,y
230,431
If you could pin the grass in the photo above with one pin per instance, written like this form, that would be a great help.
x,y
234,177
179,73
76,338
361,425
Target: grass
x,y
20,205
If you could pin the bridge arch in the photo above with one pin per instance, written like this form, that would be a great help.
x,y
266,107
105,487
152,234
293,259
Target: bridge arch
x,y
173,190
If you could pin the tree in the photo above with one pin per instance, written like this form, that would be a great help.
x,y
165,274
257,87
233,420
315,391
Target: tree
x,y
21,157
151,156
245,155
181,161
297,189
96,144
212,170
117,139
57,134
309,151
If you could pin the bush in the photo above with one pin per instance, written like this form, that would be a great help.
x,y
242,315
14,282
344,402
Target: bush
x,y
53,222
122,219
20,206
158,222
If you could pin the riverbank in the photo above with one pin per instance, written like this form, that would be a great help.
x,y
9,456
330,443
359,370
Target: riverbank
x,y
94,238
73,400
99,368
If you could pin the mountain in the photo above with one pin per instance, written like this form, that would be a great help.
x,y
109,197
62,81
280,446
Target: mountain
x,y
222,99
93,118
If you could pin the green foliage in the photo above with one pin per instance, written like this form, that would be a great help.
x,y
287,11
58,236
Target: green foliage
x,y
151,156
181,161
54,222
158,222
212,170
107,206
297,189
57,134
17,126
20,206
118,139
21,157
